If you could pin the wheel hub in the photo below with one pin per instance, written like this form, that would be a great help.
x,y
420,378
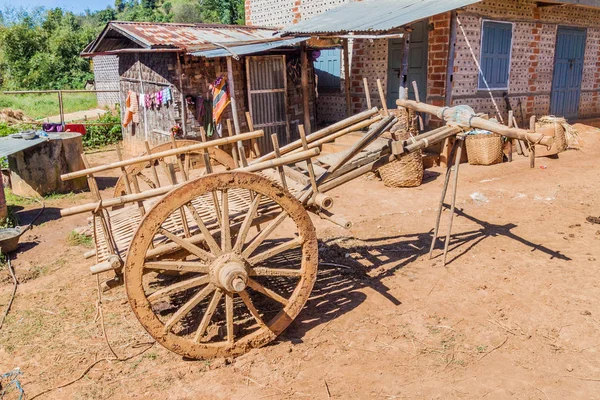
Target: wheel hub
x,y
229,272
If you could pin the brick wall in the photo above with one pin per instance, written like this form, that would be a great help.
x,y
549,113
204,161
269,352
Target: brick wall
x,y
437,60
532,58
280,13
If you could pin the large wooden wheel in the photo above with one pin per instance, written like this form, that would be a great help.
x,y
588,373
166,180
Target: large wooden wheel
x,y
237,286
219,159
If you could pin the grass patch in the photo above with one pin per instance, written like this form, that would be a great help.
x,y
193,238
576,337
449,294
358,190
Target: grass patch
x,y
16,200
79,239
44,105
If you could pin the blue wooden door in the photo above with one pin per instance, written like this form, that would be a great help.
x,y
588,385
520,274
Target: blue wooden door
x,y
568,67
328,67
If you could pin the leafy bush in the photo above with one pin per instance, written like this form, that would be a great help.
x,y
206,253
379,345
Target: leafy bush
x,y
100,136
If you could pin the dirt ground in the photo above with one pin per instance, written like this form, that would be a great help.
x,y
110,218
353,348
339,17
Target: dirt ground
x,y
515,314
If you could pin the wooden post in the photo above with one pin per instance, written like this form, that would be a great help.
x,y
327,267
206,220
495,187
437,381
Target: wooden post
x,y
451,54
382,98
367,93
405,50
347,79
234,111
305,88
254,142
182,96
139,70
277,155
61,108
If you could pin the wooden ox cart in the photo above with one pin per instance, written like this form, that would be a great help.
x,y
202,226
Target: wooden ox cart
x,y
218,256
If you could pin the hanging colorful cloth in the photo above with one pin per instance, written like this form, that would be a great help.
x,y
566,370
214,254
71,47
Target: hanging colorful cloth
x,y
166,95
220,93
148,101
131,107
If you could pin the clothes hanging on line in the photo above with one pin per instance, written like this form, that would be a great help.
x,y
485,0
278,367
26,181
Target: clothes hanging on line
x,y
131,109
221,99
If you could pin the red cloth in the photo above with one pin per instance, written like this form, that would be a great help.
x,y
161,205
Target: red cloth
x,y
79,128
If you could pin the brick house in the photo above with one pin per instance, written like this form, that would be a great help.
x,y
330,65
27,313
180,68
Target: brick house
x,y
537,57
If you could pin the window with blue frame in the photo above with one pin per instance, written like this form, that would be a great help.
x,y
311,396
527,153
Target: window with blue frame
x,y
328,69
496,45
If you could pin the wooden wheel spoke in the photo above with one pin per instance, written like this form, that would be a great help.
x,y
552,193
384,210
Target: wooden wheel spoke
x,y
225,228
229,317
248,302
214,302
178,287
247,223
180,266
264,234
264,271
267,292
290,244
187,307
208,237
186,244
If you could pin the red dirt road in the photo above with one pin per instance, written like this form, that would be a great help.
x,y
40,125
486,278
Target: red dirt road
x,y
515,314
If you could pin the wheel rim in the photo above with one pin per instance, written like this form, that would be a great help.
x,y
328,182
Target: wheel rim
x,y
144,177
236,290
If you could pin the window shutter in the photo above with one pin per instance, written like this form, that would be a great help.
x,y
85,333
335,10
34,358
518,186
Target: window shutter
x,y
495,54
328,68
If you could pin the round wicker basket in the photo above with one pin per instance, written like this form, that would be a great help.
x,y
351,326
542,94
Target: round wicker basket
x,y
406,171
484,149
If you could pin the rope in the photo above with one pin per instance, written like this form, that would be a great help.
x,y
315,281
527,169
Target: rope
x,y
14,374
14,291
480,70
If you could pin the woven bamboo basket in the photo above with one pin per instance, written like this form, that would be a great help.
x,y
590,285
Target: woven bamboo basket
x,y
406,171
484,149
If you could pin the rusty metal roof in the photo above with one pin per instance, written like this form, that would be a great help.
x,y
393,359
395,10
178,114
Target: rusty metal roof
x,y
121,36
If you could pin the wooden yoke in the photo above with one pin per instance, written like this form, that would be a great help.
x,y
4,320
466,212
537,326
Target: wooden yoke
x,y
478,122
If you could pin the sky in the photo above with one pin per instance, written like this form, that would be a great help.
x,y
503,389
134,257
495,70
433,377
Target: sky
x,y
76,6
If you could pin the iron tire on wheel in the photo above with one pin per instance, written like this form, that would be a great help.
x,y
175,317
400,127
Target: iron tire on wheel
x,y
233,274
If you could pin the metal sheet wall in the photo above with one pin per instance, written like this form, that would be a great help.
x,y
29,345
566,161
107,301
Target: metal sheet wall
x,y
267,98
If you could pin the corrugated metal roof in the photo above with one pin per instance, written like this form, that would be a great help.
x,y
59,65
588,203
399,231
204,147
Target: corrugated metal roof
x,y
249,48
374,15
119,35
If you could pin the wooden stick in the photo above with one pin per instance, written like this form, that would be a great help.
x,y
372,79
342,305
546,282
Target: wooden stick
x,y
234,149
367,93
478,122
347,77
441,205
417,97
320,134
152,166
162,154
279,168
309,165
460,140
382,98
124,173
254,142
305,86
179,163
209,170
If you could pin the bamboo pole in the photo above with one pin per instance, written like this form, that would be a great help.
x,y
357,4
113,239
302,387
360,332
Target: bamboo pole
x,y
254,142
367,93
321,133
277,154
382,98
162,154
121,200
481,123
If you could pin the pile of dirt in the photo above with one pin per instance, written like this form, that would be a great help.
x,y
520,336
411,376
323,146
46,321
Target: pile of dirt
x,y
11,116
